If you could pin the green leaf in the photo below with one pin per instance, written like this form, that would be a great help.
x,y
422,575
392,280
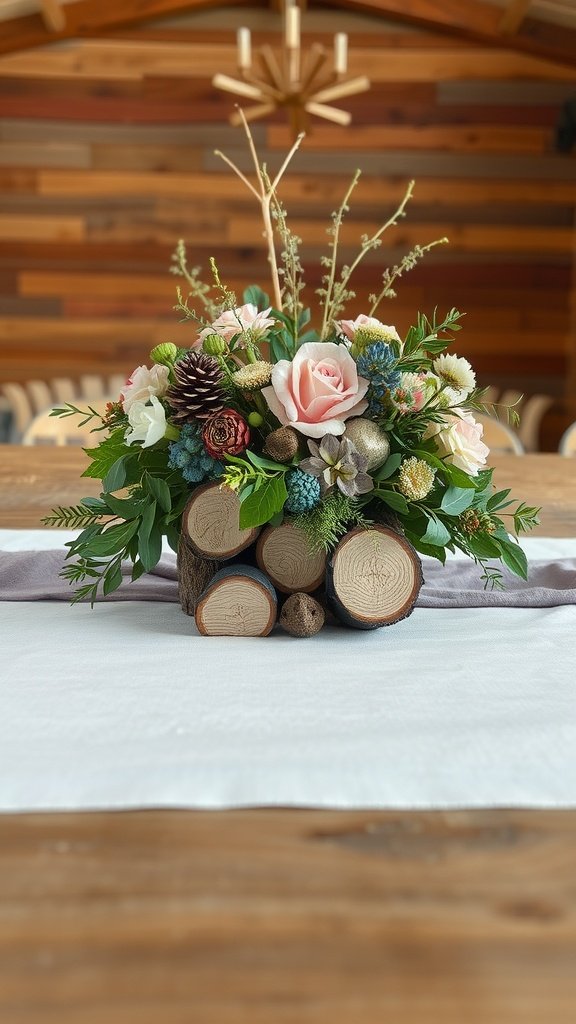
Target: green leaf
x,y
116,476
112,578
393,499
113,539
514,557
494,502
126,508
390,466
159,489
98,505
262,463
436,534
483,546
263,504
426,549
456,499
257,297
149,538
106,454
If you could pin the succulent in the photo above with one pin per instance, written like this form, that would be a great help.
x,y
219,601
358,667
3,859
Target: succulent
x,y
337,463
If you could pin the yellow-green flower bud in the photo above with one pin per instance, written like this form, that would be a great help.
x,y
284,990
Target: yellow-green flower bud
x,y
214,345
165,353
255,419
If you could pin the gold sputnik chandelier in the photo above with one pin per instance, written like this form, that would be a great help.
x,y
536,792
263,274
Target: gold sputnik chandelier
x,y
302,84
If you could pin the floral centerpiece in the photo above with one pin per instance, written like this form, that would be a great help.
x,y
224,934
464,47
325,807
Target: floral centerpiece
x,y
328,428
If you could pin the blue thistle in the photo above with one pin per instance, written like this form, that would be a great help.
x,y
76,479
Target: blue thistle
x,y
377,364
303,491
189,455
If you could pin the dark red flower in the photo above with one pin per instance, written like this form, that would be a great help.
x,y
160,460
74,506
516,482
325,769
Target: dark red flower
x,y
225,433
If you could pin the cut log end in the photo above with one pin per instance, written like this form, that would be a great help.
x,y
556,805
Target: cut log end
x,y
284,554
238,601
210,523
373,578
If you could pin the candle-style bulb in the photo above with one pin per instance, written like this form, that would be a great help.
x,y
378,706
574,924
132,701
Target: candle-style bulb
x,y
340,53
244,49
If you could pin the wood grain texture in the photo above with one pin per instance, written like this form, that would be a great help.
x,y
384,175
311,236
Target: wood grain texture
x,y
296,917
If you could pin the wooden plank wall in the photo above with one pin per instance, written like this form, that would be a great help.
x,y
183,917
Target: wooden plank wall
x,y
107,158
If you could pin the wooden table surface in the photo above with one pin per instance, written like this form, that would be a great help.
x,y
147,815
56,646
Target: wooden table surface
x,y
286,916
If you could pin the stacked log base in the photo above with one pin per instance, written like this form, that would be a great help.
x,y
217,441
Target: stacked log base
x,y
372,579
284,554
238,601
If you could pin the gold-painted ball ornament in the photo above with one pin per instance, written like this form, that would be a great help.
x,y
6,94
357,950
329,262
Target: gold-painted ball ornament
x,y
370,440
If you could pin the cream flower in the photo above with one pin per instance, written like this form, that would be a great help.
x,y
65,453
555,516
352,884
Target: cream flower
x,y
318,390
147,422
374,329
457,374
459,439
143,383
243,319
415,479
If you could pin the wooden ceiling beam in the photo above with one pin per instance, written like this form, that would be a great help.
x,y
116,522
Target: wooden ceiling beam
x,y
475,20
89,16
513,16
53,15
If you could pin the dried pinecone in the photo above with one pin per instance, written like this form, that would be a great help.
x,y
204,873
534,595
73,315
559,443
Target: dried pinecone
x,y
197,390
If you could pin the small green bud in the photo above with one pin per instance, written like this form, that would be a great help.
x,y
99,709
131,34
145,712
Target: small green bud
x,y
355,351
255,419
165,353
214,345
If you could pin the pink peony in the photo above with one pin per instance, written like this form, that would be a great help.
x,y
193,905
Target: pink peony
x,y
459,438
318,390
142,384
235,321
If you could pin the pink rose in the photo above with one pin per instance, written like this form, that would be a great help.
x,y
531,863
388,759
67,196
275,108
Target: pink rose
x,y
318,390
143,384
236,321
459,438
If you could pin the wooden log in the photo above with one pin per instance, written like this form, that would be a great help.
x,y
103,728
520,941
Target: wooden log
x,y
302,615
210,523
194,574
284,554
373,578
238,601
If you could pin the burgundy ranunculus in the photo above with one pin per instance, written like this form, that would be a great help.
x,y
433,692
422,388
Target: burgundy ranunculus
x,y
225,433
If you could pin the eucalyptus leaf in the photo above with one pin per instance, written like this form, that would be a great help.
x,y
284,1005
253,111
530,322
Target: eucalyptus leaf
x,y
392,463
456,499
116,476
393,499
112,579
436,534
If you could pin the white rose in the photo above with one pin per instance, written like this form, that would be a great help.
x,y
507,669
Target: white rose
x,y
144,383
459,438
148,422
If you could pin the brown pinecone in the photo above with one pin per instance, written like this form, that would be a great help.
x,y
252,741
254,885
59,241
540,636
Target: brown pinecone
x,y
196,392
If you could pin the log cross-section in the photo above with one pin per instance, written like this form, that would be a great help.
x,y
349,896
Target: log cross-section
x,y
373,578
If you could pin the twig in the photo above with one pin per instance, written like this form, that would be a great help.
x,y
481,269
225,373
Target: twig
x,y
264,195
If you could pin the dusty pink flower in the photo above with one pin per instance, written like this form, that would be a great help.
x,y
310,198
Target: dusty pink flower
x,y
236,321
410,394
143,383
318,390
459,438
382,332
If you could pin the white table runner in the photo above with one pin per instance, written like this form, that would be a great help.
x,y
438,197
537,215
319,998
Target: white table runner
x,y
125,706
